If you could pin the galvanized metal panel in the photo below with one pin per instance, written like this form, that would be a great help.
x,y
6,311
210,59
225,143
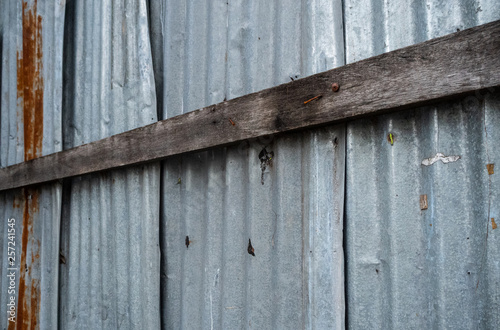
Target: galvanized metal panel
x,y
31,84
409,267
110,221
292,221
400,273
220,50
12,145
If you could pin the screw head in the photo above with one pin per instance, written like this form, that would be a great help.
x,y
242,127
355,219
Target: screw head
x,y
335,87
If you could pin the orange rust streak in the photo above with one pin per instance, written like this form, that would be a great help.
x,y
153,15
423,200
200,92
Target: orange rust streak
x,y
28,307
17,202
35,293
30,100
30,81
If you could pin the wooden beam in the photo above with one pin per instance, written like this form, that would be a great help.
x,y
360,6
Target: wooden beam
x,y
438,69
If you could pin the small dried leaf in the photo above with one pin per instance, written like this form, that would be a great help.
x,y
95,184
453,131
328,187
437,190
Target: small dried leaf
x,y
250,248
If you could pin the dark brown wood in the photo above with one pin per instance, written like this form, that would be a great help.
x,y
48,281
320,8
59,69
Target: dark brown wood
x,y
438,69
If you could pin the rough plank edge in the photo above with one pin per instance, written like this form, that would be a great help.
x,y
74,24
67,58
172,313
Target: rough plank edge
x,y
435,70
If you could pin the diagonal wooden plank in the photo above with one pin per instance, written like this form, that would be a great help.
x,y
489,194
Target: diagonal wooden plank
x,y
435,70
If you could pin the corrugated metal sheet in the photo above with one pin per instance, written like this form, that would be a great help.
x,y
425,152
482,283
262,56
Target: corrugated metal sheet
x,y
209,52
110,221
435,267
31,85
409,267
296,275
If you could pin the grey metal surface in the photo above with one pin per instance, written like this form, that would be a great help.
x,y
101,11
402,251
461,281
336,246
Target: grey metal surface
x,y
407,267
110,221
211,51
29,130
295,278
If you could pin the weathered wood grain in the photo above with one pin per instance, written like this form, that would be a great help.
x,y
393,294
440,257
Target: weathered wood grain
x,y
441,68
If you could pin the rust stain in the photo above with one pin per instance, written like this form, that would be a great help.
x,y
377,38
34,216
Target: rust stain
x,y
491,168
30,81
35,293
493,223
30,103
17,202
29,287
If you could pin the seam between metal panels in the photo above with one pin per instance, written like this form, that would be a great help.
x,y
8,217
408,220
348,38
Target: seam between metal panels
x,y
483,255
344,41
344,214
160,241
344,221
226,64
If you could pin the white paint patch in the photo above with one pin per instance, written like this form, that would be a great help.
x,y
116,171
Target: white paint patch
x,y
441,157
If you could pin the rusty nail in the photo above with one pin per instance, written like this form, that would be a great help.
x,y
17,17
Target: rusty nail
x,y
314,98
335,87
